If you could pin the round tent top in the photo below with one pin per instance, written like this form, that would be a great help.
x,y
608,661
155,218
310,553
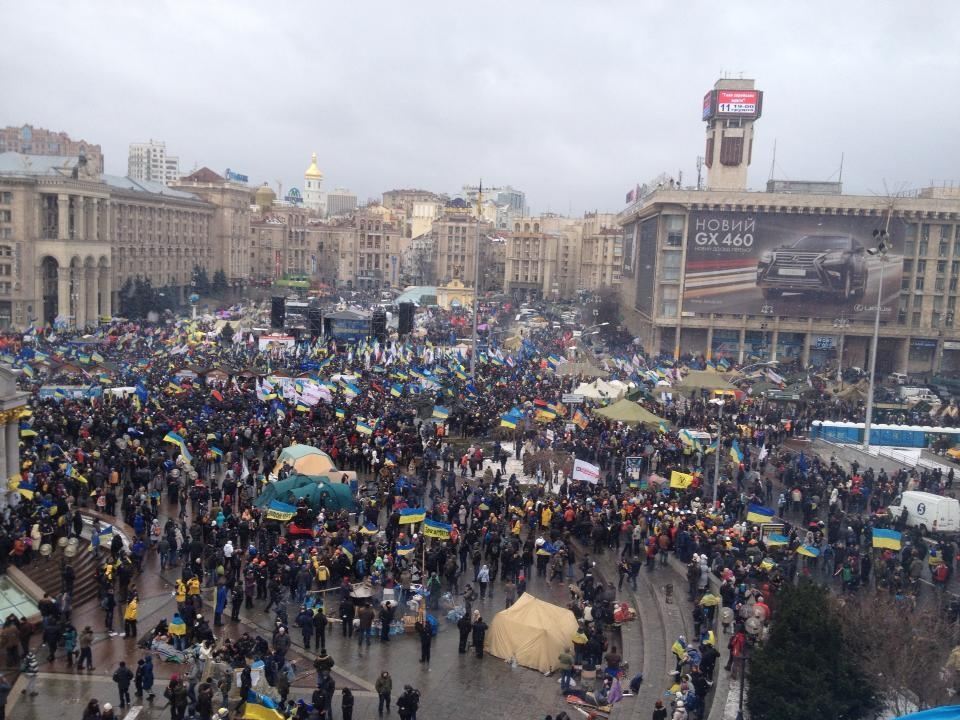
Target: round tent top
x,y
306,460
313,172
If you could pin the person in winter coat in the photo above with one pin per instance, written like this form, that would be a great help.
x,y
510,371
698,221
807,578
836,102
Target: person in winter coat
x,y
281,643
384,688
130,619
86,649
70,643
423,630
464,626
30,668
122,677
346,704
479,635
222,596
320,630
304,620
147,677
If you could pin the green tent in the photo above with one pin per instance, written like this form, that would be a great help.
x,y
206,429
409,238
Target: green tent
x,y
316,490
703,380
631,413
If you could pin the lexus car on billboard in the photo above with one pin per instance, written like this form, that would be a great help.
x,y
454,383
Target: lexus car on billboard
x,y
789,265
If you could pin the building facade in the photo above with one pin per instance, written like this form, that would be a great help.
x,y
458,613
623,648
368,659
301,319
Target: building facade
x,y
149,162
71,239
28,140
794,276
230,222
378,247
341,201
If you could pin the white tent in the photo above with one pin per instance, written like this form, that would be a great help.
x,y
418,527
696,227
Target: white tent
x,y
533,631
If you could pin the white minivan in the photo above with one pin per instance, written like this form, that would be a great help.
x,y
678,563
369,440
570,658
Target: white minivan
x,y
931,513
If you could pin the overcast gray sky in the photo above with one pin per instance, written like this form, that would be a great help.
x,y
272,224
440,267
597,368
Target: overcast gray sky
x,y
573,102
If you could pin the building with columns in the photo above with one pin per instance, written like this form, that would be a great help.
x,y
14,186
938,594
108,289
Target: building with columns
x,y
12,405
230,223
71,238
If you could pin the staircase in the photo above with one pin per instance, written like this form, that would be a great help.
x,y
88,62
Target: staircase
x,y
45,572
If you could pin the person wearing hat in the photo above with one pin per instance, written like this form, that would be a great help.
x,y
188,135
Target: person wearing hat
x,y
384,688
106,712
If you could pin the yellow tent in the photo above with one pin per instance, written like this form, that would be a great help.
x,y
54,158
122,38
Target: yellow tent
x,y
533,631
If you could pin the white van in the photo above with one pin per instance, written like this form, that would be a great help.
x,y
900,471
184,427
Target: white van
x,y
931,513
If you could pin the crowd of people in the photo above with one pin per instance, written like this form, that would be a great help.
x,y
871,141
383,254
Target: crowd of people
x,y
180,463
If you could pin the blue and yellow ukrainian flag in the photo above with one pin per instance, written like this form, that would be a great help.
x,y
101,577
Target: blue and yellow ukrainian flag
x,y
396,390
363,427
440,412
348,549
775,540
408,516
735,453
887,539
404,550
759,513
341,414
260,707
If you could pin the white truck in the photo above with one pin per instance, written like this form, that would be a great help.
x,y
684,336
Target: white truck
x,y
931,513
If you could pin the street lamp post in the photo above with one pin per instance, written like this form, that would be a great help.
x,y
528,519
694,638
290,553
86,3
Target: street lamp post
x,y
716,460
881,248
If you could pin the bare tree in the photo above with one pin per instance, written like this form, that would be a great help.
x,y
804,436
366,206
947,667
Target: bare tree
x,y
902,647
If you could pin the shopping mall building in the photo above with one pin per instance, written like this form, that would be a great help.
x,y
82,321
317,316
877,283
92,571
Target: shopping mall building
x,y
792,272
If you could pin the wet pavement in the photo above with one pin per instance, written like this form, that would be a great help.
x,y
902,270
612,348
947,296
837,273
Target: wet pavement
x,y
453,684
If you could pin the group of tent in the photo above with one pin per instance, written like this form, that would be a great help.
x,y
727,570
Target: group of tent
x,y
313,477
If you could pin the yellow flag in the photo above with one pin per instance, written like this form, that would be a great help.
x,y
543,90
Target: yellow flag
x,y
680,480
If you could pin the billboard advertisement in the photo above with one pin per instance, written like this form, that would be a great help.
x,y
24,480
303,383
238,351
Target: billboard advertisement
x,y
789,265
738,103
629,235
708,105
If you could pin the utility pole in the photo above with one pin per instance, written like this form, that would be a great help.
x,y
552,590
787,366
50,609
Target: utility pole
x,y
476,284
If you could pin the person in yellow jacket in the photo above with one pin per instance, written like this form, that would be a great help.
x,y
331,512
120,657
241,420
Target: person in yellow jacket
x,y
180,594
193,586
130,618
546,515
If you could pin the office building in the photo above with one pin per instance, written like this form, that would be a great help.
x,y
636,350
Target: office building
x,y
340,201
28,140
149,162
790,274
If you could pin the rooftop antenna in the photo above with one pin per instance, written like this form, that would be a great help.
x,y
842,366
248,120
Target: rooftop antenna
x,y
773,162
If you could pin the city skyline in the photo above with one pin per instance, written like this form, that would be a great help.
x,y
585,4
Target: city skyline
x,y
424,99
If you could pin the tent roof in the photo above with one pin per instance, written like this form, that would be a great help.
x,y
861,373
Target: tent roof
x,y
701,379
631,413
580,368
295,452
533,631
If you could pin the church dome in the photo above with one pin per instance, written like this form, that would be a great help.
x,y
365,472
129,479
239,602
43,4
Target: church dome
x,y
264,197
313,172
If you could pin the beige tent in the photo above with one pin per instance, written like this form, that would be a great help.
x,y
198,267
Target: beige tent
x,y
631,413
533,631
306,460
